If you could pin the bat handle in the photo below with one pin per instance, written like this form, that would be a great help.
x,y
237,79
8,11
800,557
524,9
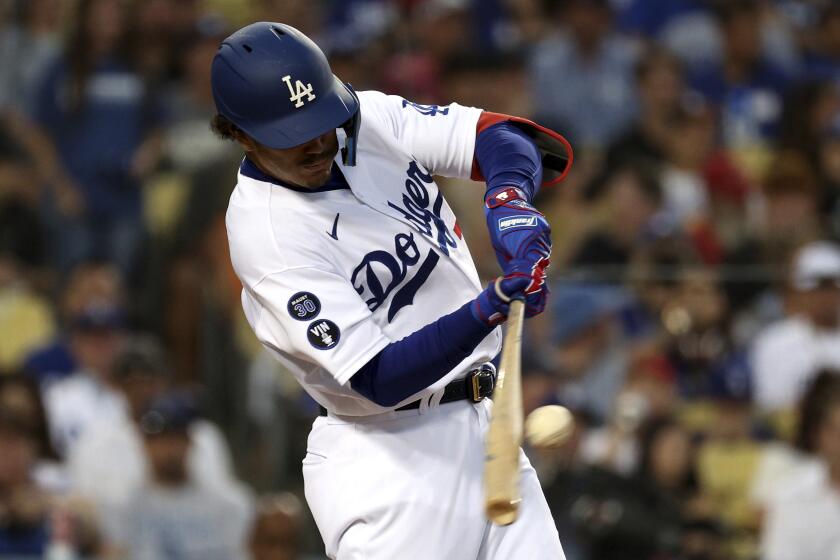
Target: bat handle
x,y
516,316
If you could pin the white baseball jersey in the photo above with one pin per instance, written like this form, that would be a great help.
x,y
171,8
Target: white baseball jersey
x,y
331,277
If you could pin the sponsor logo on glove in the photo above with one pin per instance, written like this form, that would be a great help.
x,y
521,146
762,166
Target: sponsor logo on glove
x,y
517,222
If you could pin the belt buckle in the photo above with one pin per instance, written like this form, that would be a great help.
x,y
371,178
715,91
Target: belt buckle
x,y
482,382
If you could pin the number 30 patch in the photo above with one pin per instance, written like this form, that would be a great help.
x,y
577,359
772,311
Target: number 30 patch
x,y
304,306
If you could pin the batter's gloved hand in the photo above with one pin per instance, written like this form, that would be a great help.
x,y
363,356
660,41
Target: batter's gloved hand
x,y
521,237
493,304
536,290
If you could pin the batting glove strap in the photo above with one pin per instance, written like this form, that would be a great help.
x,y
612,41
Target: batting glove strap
x,y
506,195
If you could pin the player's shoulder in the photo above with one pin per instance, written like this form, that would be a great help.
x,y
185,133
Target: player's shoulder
x,y
372,98
254,249
379,108
263,237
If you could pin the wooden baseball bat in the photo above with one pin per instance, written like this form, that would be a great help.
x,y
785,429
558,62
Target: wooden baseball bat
x,y
501,462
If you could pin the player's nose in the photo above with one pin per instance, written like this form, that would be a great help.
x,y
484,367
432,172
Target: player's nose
x,y
318,144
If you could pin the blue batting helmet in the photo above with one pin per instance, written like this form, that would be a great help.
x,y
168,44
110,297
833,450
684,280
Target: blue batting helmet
x,y
275,84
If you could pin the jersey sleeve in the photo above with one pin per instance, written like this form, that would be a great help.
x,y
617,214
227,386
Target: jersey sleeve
x,y
440,137
316,316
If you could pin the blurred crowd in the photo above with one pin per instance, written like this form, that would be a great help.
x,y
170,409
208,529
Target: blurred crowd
x,y
694,322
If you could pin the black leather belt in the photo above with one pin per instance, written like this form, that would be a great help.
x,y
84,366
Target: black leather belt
x,y
476,386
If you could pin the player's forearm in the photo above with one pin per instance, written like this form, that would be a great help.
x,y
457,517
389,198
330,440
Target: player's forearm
x,y
507,157
411,364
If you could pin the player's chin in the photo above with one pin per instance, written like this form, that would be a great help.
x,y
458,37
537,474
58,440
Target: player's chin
x,y
313,181
314,176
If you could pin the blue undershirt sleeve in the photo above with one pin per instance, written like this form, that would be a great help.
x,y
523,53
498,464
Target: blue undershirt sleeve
x,y
411,364
507,157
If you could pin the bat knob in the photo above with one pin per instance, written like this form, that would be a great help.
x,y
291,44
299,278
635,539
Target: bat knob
x,y
503,513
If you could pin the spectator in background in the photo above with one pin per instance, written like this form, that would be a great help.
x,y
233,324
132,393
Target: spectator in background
x,y
686,27
786,216
26,321
627,198
822,59
659,82
35,521
22,234
26,318
689,145
668,467
188,143
802,520
586,348
152,32
436,32
697,338
791,203
828,153
729,460
172,516
650,17
91,284
87,397
561,472
582,76
24,507
614,446
85,92
108,465
655,269
21,398
704,192
29,40
810,108
474,81
667,461
745,85
787,354
640,516
653,378
275,534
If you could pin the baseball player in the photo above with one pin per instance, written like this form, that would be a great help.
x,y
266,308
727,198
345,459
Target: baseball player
x,y
357,278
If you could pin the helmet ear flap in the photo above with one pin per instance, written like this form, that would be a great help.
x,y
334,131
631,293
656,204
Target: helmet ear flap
x,y
351,128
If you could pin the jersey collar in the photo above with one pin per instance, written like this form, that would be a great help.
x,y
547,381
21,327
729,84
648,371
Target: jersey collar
x,y
335,182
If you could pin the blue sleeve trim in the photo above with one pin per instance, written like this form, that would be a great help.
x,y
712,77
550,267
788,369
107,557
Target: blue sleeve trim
x,y
411,364
507,157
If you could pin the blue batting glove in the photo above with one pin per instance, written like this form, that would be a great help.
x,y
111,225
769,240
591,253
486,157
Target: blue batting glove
x,y
491,307
518,231
521,238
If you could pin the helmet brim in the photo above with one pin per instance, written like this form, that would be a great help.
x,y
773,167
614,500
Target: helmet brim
x,y
319,116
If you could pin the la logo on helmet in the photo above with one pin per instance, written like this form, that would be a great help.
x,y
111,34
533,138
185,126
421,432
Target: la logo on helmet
x,y
297,93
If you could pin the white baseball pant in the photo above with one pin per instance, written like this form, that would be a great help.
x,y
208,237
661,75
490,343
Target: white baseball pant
x,y
408,485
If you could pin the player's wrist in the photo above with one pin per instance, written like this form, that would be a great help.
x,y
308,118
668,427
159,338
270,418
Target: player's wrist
x,y
483,311
506,195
